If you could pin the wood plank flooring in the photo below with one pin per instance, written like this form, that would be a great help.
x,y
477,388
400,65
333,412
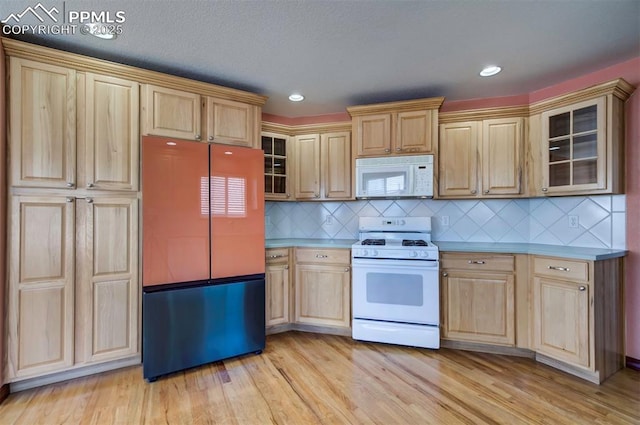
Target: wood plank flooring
x,y
304,378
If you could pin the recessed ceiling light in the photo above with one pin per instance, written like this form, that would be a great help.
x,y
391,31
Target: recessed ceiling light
x,y
296,97
490,70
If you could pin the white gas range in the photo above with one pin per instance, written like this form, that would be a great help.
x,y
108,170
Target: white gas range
x,y
395,281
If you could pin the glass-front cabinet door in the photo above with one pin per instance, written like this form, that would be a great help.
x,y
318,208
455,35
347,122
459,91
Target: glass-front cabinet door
x,y
574,147
276,166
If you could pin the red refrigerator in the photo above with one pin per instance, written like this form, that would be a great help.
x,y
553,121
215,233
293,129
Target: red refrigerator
x,y
202,254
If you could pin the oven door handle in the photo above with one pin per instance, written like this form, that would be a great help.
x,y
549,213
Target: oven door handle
x,y
395,264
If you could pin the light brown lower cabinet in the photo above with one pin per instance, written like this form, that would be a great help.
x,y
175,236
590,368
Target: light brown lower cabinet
x,y
578,315
478,298
73,289
278,287
323,287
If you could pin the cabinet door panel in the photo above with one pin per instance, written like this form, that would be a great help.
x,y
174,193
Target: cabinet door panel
x,y
336,165
307,160
229,122
373,134
479,307
322,295
43,124
501,156
171,113
278,298
458,163
414,132
107,284
562,320
112,134
41,276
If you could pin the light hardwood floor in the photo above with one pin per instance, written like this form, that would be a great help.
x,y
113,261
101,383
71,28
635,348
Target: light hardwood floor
x,y
304,378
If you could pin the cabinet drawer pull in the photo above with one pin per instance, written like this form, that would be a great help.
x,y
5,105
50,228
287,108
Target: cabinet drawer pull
x,y
582,288
276,256
560,269
321,256
475,262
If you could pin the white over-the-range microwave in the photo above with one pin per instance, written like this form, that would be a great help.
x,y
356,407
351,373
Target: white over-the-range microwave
x,y
395,177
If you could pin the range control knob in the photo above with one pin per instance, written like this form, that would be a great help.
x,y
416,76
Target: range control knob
x,y
413,254
365,252
425,254
374,253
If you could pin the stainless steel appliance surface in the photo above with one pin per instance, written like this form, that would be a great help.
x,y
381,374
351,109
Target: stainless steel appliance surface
x,y
395,282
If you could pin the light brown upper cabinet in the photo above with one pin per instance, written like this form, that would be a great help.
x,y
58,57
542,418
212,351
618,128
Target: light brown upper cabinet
x,y
481,158
111,136
409,127
577,141
42,123
58,114
171,113
229,122
186,115
277,166
323,166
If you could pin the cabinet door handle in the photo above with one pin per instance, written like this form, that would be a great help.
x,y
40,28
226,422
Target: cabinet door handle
x,y
560,269
288,195
582,288
321,256
286,267
474,191
70,199
276,256
70,184
387,150
398,149
347,269
317,195
210,138
445,274
198,137
475,262
89,201
544,189
90,185
486,192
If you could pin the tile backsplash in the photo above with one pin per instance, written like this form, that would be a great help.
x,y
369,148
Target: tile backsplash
x,y
587,221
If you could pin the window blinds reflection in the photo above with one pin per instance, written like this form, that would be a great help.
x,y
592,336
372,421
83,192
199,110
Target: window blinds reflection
x,y
228,196
385,184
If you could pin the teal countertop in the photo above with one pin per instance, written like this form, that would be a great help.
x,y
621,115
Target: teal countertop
x,y
310,243
592,254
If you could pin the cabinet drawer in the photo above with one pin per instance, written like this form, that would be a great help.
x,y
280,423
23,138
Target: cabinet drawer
x,y
323,256
561,268
276,255
479,262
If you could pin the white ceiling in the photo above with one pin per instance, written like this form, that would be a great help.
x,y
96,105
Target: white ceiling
x,y
341,53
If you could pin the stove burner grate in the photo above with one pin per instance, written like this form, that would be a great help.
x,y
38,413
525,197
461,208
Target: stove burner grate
x,y
373,242
418,242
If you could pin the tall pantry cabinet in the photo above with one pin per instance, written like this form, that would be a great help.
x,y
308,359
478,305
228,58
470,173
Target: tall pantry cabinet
x,y
73,219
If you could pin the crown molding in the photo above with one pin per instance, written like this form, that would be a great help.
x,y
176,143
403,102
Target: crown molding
x,y
403,106
618,88
296,130
20,49
483,114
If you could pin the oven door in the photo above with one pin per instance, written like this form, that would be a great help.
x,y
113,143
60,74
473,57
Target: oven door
x,y
404,291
